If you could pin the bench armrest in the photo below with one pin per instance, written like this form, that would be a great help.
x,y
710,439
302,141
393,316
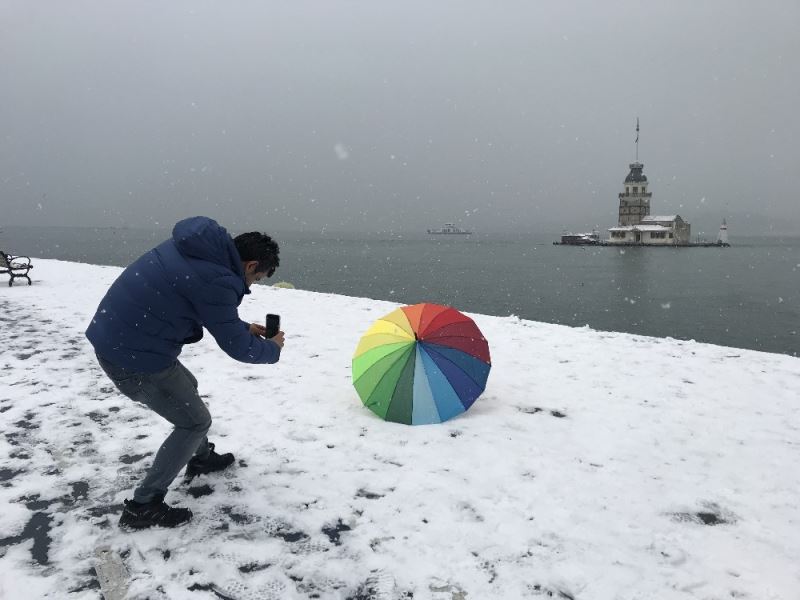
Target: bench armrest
x,y
14,261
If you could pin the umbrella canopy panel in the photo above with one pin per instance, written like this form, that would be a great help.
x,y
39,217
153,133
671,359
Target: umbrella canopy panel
x,y
421,364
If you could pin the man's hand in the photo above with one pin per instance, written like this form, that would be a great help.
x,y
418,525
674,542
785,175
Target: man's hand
x,y
258,330
278,339
261,331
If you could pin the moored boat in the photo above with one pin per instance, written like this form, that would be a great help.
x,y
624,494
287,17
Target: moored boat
x,y
449,229
580,239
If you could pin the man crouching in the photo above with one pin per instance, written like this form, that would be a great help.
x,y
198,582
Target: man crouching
x,y
159,303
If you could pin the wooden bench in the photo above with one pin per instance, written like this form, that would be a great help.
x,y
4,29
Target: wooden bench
x,y
15,266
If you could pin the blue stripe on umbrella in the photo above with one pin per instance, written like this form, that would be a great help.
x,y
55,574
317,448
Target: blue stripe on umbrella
x,y
463,384
423,410
447,401
477,370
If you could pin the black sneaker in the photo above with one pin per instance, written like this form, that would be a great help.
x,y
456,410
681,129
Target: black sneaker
x,y
155,513
213,462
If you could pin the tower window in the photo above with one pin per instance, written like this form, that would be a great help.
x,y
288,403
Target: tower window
x,y
635,189
627,189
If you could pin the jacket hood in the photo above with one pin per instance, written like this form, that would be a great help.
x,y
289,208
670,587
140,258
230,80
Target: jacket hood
x,y
204,238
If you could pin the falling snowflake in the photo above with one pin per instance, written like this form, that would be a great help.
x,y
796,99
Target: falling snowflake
x,y
342,153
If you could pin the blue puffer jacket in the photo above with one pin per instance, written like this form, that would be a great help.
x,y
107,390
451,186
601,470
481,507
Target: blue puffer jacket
x,y
165,298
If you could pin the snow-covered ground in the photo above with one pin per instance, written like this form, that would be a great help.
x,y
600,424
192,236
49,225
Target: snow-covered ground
x,y
595,466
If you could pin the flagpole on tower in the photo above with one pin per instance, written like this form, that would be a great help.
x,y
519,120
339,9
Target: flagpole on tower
x,y
637,139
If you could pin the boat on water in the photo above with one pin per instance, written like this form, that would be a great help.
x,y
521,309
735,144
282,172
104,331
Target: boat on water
x,y
579,239
449,229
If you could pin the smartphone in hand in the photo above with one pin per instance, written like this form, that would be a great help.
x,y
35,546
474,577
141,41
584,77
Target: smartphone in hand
x,y
273,325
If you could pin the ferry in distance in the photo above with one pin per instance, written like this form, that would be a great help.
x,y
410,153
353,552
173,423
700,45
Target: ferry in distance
x,y
579,239
449,229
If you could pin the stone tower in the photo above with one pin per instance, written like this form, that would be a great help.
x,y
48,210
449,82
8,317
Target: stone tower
x,y
634,201
722,236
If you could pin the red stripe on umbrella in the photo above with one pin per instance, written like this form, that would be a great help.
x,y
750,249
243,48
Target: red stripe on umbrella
x,y
476,347
462,329
429,313
448,317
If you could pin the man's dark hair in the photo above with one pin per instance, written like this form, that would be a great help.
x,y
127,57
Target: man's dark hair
x,y
260,247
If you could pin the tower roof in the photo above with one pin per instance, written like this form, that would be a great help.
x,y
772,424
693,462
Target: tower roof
x,y
636,175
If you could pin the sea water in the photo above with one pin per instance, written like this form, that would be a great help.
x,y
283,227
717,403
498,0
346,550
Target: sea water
x,y
745,296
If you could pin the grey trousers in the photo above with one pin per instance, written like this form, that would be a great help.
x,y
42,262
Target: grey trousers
x,y
172,393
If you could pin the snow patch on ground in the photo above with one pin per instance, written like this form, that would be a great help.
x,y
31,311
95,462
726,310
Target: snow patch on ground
x,y
596,465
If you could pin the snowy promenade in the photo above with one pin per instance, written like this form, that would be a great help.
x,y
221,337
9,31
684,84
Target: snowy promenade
x,y
595,466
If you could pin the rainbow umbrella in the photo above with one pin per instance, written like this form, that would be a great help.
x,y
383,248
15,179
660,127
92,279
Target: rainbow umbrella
x,y
421,364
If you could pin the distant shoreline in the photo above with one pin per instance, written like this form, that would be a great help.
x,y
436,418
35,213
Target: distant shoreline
x,y
481,234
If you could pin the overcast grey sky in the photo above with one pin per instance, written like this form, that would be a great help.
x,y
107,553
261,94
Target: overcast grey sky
x,y
395,115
